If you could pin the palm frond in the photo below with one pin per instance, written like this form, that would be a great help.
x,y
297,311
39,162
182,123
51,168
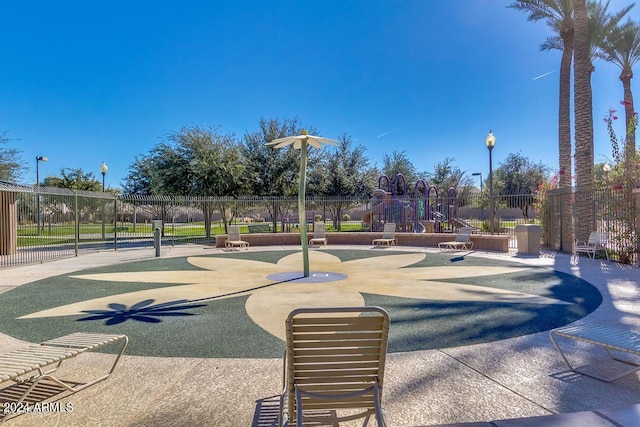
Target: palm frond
x,y
552,43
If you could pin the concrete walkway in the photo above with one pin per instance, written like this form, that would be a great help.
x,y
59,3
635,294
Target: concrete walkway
x,y
502,380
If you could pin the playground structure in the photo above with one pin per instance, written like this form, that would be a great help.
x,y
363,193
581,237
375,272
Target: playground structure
x,y
424,212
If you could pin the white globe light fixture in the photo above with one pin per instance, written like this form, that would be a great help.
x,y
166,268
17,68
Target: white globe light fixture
x,y
103,171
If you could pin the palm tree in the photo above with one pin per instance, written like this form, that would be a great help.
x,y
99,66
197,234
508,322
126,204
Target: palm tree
x,y
595,24
558,15
622,48
592,25
583,109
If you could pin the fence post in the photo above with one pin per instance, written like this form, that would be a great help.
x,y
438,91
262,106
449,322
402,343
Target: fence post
x,y
8,223
115,224
76,219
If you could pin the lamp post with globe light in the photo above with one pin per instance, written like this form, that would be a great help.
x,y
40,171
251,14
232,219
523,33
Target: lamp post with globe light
x,y
103,171
490,140
38,160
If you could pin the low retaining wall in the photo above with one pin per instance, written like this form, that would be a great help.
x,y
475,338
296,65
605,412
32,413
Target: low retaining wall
x,y
487,242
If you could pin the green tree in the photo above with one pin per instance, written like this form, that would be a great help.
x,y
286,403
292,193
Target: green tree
x,y
445,175
203,162
11,166
195,161
140,180
75,179
274,173
399,163
344,172
516,180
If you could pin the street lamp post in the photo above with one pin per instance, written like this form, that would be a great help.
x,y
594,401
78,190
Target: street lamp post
x,y
481,205
38,160
103,171
490,140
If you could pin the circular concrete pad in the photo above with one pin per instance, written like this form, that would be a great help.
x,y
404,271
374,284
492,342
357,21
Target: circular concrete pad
x,y
234,305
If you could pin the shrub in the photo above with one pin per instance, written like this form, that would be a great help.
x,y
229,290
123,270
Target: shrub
x,y
346,217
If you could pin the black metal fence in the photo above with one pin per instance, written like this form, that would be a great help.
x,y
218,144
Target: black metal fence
x,y
54,223
609,209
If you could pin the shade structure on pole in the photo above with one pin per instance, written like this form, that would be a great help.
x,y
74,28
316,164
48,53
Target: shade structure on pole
x,y
301,142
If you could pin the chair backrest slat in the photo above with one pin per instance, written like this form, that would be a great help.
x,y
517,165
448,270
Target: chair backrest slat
x,y
234,233
319,230
389,231
333,351
597,238
464,234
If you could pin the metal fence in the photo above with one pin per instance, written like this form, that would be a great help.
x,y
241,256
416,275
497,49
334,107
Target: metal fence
x,y
609,209
54,223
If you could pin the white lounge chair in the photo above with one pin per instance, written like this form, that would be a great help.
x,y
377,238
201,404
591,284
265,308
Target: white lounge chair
x,y
234,240
462,242
33,363
388,235
334,361
319,235
622,345
597,242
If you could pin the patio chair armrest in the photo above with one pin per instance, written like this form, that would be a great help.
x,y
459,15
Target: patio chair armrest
x,y
284,370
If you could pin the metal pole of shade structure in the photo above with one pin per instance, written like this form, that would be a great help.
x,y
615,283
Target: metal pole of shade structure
x,y
38,160
490,140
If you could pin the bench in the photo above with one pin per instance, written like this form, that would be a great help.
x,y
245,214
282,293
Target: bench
x,y
259,228
36,362
610,338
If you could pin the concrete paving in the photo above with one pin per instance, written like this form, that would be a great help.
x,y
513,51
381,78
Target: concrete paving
x,y
512,382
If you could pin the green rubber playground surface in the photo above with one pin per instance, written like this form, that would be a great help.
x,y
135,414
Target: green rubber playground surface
x,y
234,304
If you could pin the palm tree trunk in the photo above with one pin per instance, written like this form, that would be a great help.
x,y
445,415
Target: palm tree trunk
x,y
564,113
583,110
564,138
630,140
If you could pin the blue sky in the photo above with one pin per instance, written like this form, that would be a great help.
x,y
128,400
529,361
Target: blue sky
x,y
87,82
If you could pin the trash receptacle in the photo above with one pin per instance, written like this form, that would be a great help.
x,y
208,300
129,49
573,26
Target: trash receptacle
x,y
528,237
156,224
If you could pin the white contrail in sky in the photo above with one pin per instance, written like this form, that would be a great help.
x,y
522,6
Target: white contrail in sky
x,y
386,133
543,75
